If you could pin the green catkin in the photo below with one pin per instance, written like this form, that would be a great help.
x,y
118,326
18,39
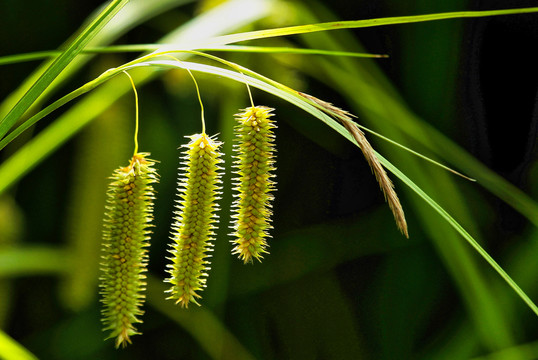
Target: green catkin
x,y
128,217
193,227
254,165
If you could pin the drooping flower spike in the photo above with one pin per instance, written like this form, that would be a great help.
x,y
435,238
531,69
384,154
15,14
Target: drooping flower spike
x,y
193,227
254,154
128,217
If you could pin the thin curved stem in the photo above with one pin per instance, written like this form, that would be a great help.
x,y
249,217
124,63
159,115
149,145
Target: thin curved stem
x,y
136,113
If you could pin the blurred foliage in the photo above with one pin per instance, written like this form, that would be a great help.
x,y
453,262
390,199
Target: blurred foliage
x,y
340,282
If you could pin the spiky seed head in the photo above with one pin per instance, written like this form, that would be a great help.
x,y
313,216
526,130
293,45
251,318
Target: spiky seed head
x,y
194,224
254,154
126,232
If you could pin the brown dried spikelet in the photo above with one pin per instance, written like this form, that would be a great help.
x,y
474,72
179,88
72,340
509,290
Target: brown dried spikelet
x,y
380,174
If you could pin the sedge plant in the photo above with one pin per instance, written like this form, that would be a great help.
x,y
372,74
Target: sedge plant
x,y
131,192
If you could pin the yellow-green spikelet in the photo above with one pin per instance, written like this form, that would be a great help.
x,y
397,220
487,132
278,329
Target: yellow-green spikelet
x,y
128,217
193,227
254,164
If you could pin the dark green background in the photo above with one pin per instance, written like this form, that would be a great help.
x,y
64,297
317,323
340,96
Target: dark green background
x,y
340,282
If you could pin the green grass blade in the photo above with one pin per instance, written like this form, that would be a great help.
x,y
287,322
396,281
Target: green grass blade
x,y
19,58
411,151
135,13
57,104
36,260
457,156
112,72
462,232
59,64
14,59
56,134
421,131
71,122
289,50
292,30
12,350
355,24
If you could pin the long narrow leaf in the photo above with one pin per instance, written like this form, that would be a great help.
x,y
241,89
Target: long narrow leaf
x,y
39,55
40,260
12,350
135,13
355,24
55,105
59,64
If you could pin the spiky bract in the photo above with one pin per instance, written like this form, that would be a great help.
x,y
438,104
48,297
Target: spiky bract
x,y
125,238
193,227
254,164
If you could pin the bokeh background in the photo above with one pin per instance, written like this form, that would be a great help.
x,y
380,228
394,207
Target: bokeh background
x,y
341,282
